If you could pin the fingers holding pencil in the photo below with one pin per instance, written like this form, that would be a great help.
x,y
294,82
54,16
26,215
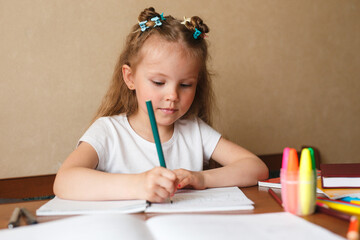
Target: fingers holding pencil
x,y
158,184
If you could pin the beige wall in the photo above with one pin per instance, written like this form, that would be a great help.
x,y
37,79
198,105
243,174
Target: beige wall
x,y
286,73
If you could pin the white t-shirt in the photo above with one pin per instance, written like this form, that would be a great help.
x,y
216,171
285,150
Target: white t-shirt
x,y
121,150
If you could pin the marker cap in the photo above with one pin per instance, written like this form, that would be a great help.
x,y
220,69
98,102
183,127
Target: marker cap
x,y
293,161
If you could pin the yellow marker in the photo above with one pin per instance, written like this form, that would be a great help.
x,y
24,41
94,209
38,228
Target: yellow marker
x,y
306,184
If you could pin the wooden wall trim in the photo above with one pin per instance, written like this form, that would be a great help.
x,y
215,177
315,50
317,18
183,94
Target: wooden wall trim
x,y
27,187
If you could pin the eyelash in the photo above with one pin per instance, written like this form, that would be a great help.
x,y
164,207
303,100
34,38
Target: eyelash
x,y
183,85
158,83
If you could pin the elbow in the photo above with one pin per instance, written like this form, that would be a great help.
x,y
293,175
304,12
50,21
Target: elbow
x,y
264,173
58,186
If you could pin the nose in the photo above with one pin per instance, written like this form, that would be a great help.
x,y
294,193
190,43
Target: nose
x,y
172,94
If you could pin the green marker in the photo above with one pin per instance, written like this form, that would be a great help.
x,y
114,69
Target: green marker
x,y
312,153
155,133
313,162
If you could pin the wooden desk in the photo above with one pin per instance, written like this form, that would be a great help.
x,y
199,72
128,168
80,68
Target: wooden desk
x,y
264,203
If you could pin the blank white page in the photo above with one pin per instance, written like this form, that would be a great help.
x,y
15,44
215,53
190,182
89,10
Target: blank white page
x,y
89,227
247,226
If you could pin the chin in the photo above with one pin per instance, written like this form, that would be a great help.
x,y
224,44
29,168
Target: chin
x,y
167,121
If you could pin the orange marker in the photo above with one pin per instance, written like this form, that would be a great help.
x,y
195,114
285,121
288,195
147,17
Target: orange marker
x,y
292,182
293,161
353,232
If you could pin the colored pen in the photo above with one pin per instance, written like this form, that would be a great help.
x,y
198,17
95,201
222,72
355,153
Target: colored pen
x,y
275,196
313,161
306,186
312,153
156,135
351,199
323,208
341,206
285,158
353,231
292,182
30,219
15,218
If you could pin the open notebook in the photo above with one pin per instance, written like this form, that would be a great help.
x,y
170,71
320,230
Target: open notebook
x,y
213,199
174,226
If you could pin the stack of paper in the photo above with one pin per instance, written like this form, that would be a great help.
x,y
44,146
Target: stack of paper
x,y
214,199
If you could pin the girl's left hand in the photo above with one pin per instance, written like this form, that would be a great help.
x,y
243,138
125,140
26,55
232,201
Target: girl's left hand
x,y
186,178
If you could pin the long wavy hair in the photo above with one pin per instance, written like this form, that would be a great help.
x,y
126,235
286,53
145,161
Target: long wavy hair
x,y
120,99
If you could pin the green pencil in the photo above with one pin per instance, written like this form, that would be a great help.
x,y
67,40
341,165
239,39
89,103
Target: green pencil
x,y
155,133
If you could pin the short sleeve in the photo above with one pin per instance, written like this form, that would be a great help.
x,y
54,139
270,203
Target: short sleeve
x,y
210,138
97,136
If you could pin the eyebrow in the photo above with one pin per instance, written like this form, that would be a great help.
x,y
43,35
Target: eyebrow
x,y
166,76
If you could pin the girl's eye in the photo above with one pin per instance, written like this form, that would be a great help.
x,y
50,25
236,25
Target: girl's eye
x,y
158,83
185,85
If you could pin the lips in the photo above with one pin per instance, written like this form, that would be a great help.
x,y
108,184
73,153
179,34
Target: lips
x,y
168,110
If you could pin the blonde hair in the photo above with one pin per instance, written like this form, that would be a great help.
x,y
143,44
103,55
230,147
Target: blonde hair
x,y
120,99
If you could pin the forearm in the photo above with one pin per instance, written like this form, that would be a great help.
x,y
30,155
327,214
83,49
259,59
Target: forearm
x,y
246,172
80,183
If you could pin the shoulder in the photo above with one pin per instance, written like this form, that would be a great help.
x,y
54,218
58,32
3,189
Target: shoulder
x,y
108,124
110,120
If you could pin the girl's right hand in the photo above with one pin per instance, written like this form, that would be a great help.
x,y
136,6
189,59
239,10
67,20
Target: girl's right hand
x,y
157,184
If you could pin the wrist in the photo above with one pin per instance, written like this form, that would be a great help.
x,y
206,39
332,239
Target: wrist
x,y
129,186
205,178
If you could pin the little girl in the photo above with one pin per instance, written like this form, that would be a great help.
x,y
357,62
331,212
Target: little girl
x,y
164,60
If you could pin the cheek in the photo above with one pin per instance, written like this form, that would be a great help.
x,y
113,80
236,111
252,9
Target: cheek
x,y
189,98
146,93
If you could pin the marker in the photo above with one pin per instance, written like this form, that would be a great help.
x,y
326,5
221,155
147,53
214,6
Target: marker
x,y
285,158
292,182
353,231
156,135
313,161
312,153
15,218
306,186
30,219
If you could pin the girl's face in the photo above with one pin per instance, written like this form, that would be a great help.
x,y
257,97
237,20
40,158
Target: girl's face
x,y
167,75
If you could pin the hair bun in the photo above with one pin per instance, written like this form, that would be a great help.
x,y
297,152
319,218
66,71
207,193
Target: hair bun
x,y
196,22
147,14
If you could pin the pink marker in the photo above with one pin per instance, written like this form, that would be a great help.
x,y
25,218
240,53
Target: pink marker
x,y
283,170
285,158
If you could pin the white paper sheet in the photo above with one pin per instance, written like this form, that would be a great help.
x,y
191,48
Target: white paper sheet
x,y
59,206
234,227
213,199
175,227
